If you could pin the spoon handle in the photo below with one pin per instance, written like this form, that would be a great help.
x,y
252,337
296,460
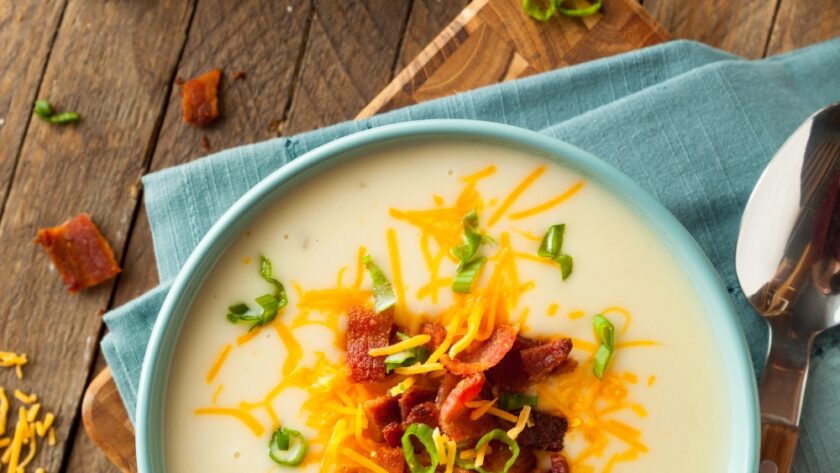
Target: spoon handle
x,y
778,445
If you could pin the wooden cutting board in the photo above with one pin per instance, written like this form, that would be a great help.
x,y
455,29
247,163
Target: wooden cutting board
x,y
490,41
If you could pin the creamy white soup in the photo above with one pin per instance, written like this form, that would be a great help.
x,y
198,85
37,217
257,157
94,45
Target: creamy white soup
x,y
658,404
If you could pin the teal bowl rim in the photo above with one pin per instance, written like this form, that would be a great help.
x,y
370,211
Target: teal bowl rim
x,y
739,376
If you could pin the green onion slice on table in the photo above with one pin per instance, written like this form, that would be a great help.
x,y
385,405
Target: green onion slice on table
x,y
423,433
45,112
606,336
544,10
383,292
287,447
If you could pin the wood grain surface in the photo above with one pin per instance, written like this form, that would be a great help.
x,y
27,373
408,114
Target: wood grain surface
x,y
494,41
116,63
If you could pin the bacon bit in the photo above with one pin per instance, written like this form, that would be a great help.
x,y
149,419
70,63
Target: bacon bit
x,y
509,373
383,410
366,330
425,413
485,355
545,434
79,252
391,459
544,358
559,464
454,414
414,396
200,101
392,433
239,75
179,81
205,143
496,459
436,331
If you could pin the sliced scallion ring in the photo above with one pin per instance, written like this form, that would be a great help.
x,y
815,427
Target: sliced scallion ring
x,y
287,447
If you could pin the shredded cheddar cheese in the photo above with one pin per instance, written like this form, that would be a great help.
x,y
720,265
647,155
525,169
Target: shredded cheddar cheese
x,y
480,408
401,387
514,195
25,398
549,204
418,368
247,419
480,453
8,359
505,415
362,461
415,341
217,365
451,453
521,422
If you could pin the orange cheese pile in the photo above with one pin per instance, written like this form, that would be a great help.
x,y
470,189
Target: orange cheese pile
x,y
334,406
20,444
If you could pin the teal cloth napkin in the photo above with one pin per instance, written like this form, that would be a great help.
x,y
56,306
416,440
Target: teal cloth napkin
x,y
693,125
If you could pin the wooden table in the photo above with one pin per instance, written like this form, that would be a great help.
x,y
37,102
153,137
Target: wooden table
x,y
308,64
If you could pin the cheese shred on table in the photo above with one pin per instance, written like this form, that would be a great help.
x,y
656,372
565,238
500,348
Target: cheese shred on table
x,y
20,449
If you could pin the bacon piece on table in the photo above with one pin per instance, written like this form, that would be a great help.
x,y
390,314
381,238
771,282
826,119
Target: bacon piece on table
x,y
79,252
365,330
485,355
544,358
455,415
199,99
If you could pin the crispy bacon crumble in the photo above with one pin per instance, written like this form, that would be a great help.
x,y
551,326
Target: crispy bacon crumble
x,y
199,99
79,252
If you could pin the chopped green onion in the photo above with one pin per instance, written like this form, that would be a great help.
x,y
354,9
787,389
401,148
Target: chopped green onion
x,y
472,240
495,434
423,433
533,10
586,11
566,265
43,109
605,331
467,253
270,303
287,447
406,358
46,113
279,290
552,247
552,242
514,401
383,293
464,277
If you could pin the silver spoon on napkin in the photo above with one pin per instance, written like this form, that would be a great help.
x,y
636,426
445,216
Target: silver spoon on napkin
x,y
788,264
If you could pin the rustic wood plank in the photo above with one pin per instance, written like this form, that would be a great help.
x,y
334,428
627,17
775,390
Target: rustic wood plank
x,y
800,23
85,455
741,27
427,19
27,30
264,40
112,63
495,41
335,84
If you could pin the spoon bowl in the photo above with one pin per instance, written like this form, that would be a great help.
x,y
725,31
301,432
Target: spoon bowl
x,y
788,264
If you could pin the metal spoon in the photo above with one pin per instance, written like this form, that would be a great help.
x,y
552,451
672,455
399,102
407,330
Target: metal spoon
x,y
788,264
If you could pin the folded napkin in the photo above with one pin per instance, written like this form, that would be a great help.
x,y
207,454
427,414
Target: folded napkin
x,y
693,125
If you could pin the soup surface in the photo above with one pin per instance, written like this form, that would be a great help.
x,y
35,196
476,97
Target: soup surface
x,y
659,405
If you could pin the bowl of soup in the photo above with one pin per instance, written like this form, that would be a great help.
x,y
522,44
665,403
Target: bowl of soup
x,y
447,296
